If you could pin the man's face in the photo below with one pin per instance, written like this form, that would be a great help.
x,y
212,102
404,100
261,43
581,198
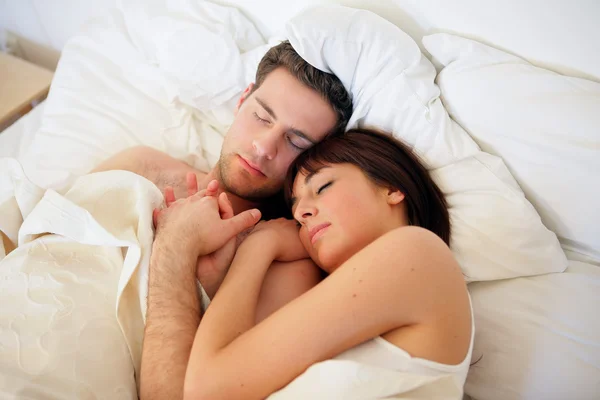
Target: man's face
x,y
273,125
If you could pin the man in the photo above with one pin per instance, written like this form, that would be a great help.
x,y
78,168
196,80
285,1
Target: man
x,y
291,107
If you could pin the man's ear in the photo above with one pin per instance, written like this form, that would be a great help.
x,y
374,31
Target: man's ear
x,y
244,96
394,196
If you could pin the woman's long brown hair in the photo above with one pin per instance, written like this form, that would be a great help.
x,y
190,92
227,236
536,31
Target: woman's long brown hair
x,y
388,163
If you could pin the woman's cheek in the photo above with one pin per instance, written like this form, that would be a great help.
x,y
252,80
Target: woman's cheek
x,y
312,252
306,243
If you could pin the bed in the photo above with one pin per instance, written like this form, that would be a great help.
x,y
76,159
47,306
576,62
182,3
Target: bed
x,y
523,104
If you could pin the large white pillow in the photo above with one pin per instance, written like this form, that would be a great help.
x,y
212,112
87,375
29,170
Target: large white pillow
x,y
496,233
537,337
144,74
136,77
545,126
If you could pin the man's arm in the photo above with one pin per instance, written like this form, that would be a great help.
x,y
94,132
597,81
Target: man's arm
x,y
172,320
131,159
185,230
154,165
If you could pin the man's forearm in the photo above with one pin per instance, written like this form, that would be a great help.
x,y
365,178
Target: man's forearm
x,y
172,320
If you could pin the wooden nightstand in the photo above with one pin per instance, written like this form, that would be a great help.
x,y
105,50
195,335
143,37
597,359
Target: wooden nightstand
x,y
21,84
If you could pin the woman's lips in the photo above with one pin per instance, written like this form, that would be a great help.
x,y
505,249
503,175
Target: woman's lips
x,y
253,169
317,231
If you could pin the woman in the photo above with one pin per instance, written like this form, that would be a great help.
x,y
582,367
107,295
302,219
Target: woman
x,y
372,219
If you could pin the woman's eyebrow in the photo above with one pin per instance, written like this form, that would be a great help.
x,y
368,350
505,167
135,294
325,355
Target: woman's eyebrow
x,y
307,181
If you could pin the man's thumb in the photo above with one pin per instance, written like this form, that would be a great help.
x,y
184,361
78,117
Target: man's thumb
x,y
243,221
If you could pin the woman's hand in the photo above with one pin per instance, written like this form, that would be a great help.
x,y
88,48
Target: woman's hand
x,y
281,237
212,268
196,223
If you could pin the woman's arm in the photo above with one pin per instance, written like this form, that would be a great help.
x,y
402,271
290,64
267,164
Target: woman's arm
x,y
397,280
284,281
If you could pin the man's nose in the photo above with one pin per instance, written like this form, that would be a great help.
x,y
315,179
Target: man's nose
x,y
265,145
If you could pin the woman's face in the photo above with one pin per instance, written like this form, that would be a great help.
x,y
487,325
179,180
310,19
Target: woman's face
x,y
341,211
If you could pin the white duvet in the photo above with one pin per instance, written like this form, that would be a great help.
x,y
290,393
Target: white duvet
x,y
73,298
72,292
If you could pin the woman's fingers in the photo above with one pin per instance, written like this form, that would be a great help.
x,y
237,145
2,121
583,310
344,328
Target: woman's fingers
x,y
192,183
169,195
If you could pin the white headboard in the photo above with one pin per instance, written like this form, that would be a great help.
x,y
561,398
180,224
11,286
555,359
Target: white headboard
x,y
557,34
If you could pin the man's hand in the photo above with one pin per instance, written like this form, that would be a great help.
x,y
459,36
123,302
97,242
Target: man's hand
x,y
195,224
280,236
212,268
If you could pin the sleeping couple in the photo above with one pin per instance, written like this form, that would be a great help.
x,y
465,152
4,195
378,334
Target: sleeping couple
x,y
362,272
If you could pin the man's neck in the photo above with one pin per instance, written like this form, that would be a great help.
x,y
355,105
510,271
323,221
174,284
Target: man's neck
x,y
239,204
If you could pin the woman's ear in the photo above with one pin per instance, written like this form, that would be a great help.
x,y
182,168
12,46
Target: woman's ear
x,y
394,197
243,97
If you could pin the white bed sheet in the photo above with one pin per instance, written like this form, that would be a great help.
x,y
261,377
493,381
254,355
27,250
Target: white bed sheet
x,y
15,140
537,337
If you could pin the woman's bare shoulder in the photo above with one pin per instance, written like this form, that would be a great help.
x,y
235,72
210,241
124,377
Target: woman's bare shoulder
x,y
420,242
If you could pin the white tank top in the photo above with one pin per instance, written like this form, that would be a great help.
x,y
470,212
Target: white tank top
x,y
379,352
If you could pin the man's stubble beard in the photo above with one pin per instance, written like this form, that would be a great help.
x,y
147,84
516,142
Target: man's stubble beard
x,y
253,194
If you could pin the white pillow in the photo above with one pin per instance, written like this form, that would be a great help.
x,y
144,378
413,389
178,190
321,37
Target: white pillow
x,y
143,75
496,233
115,88
544,125
537,337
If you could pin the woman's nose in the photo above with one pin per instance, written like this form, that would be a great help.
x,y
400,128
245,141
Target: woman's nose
x,y
305,211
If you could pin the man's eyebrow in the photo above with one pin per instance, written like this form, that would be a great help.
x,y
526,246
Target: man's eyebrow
x,y
295,131
268,109
307,181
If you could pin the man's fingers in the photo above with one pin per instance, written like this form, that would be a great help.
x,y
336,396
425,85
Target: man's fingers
x,y
225,208
241,222
200,193
169,195
192,183
212,188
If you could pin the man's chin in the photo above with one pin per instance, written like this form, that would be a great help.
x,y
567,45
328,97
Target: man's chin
x,y
241,184
250,190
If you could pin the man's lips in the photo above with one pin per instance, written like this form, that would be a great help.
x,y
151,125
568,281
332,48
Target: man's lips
x,y
253,169
316,232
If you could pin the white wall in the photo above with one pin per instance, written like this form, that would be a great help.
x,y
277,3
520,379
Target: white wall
x,y
49,22
563,35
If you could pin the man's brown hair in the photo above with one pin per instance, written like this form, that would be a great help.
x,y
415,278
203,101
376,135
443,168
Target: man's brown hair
x,y
327,85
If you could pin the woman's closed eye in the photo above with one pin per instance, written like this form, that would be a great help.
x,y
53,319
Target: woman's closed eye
x,y
325,186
